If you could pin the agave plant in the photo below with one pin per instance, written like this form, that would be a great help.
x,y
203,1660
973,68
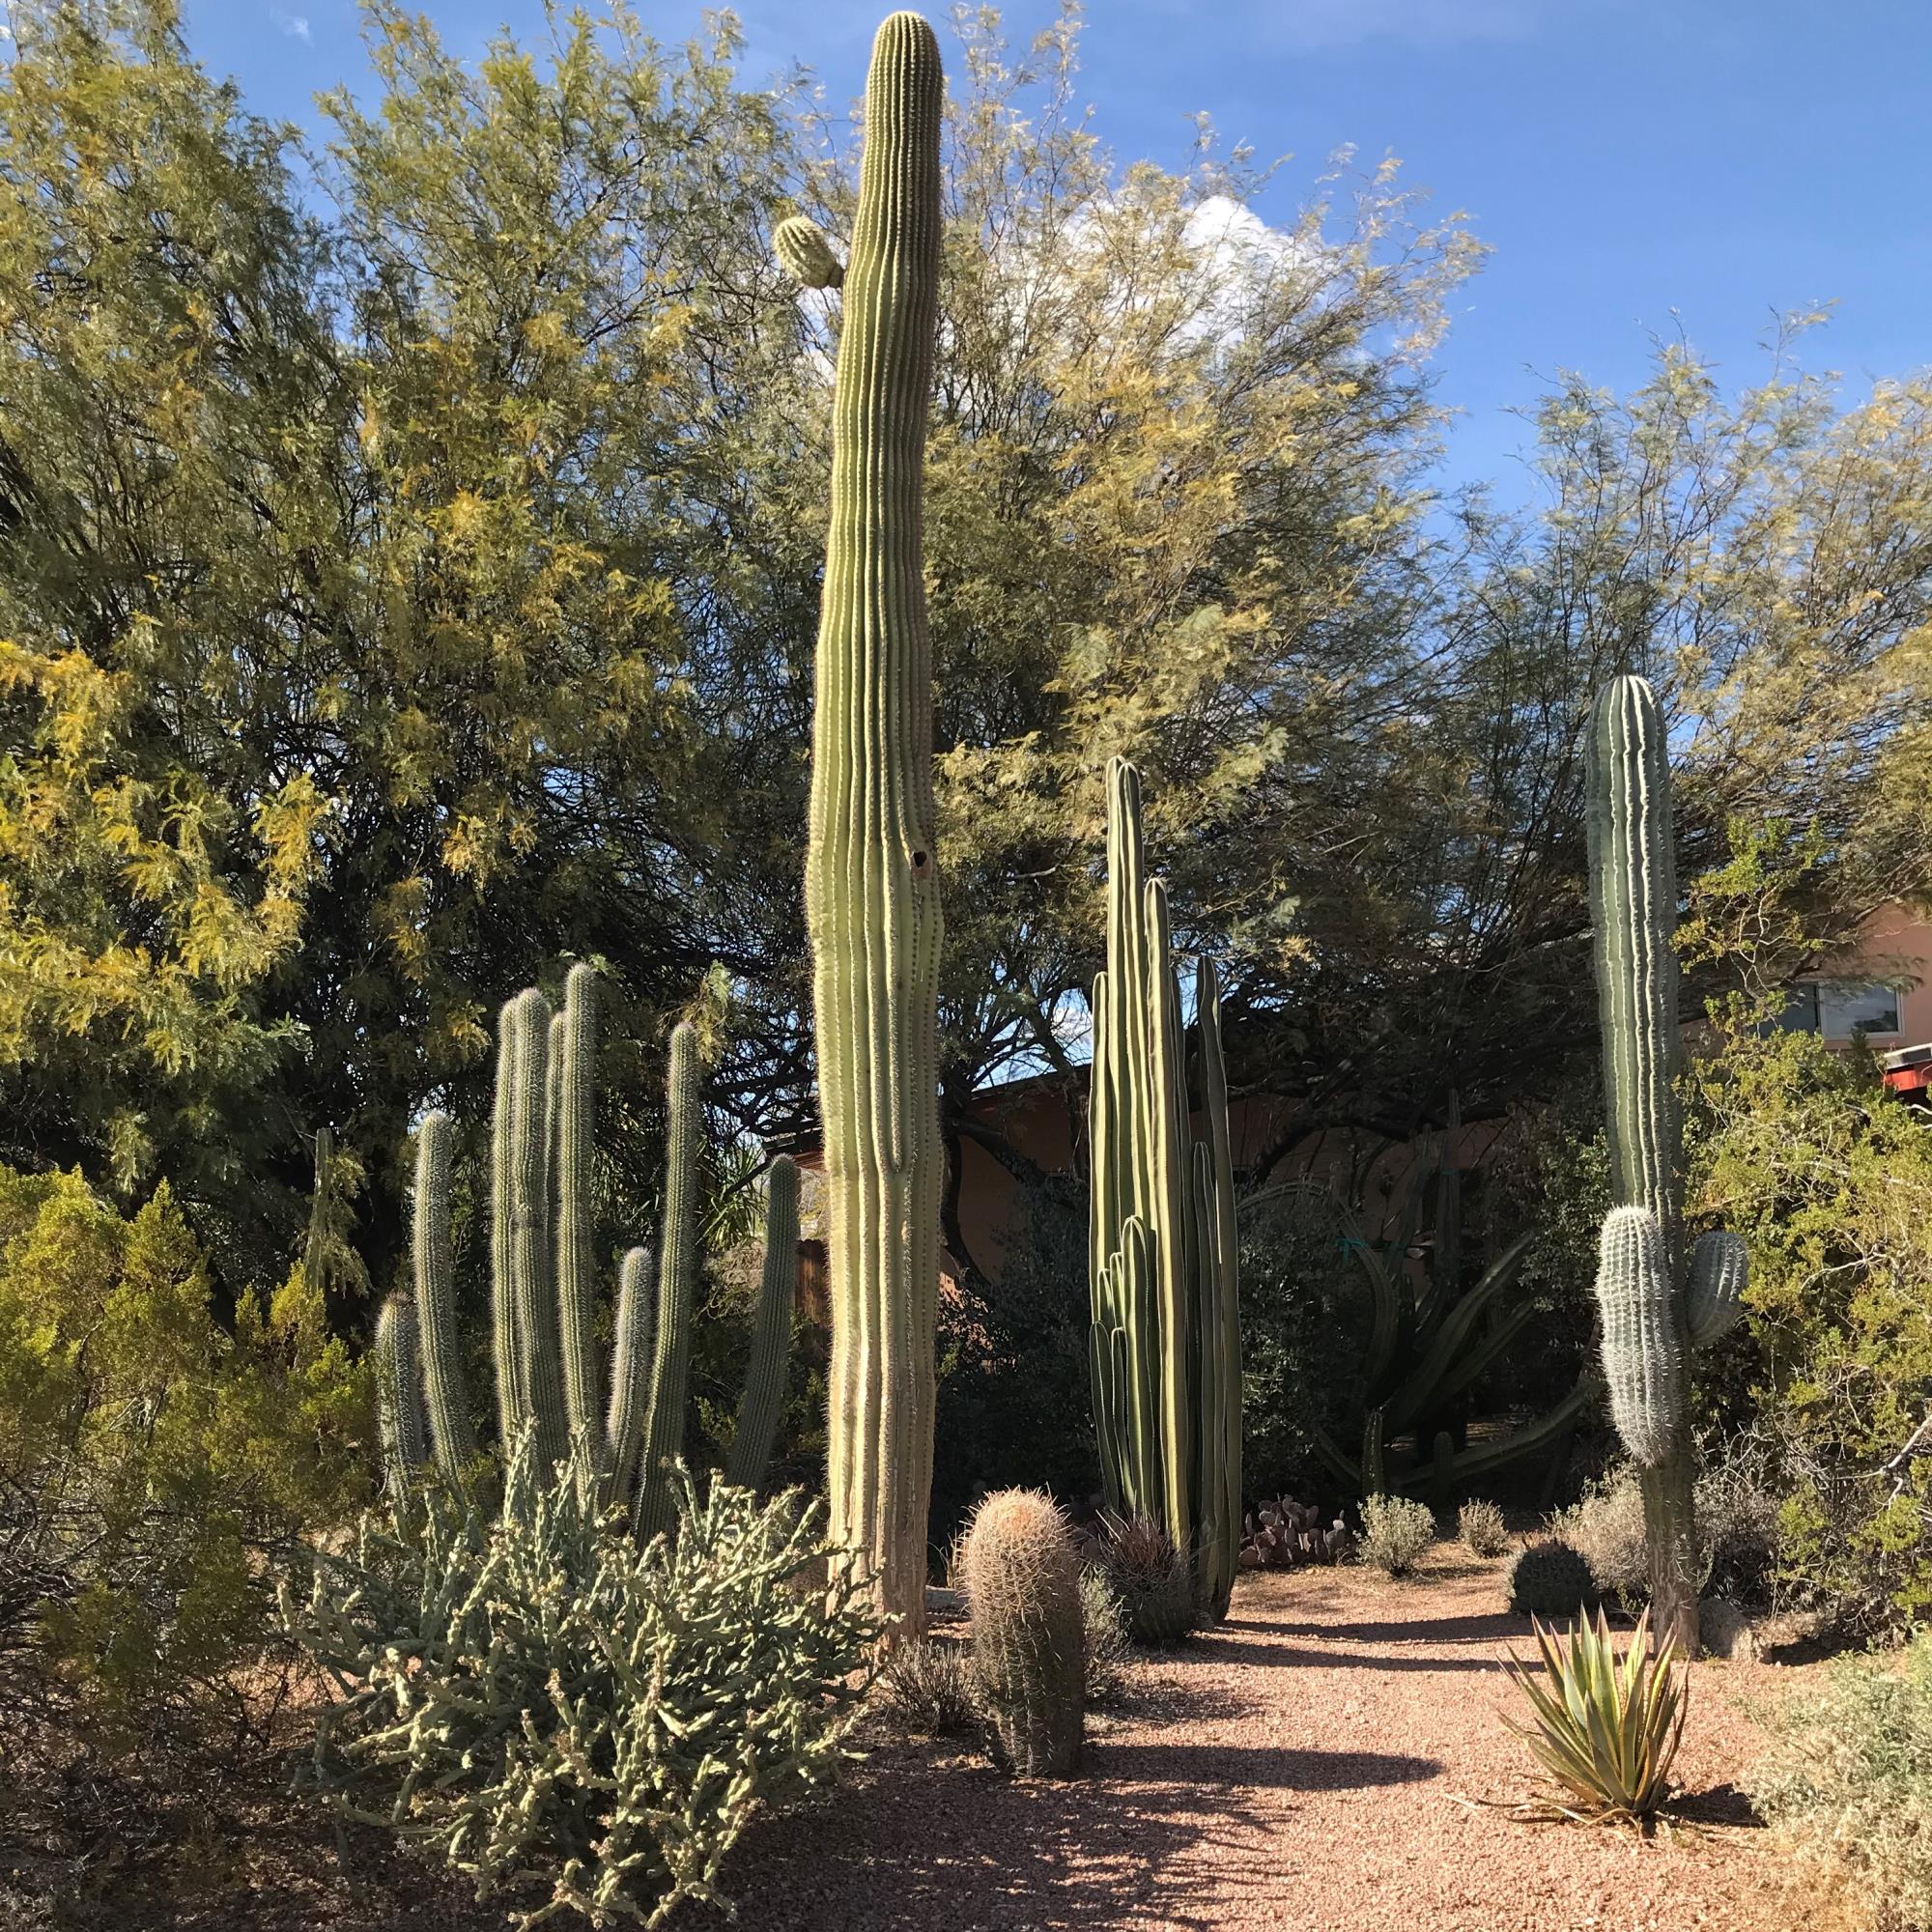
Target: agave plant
x,y
1606,1729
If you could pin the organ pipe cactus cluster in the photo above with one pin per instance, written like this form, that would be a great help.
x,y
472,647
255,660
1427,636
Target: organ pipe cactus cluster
x,y
1166,1348
549,1380
1657,1301
871,887
1022,1581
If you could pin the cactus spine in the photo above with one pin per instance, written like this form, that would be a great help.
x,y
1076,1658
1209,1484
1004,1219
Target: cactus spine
x,y
1654,1301
542,1238
1022,1584
872,889
1166,1356
399,1404
573,1072
451,1431
677,1273
763,1401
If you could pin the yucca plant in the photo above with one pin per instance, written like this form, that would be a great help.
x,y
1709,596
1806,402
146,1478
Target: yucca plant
x,y
1606,1729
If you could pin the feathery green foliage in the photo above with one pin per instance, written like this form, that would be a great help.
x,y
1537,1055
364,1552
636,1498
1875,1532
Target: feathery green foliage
x,y
152,1462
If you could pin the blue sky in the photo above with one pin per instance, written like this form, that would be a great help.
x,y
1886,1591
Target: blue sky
x,y
1721,159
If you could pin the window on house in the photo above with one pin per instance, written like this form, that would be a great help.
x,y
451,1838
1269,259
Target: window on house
x,y
1801,1009
1844,1010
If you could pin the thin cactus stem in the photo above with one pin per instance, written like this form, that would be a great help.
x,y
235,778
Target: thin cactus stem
x,y
399,1397
574,1070
624,1422
451,1430
762,1403
677,1271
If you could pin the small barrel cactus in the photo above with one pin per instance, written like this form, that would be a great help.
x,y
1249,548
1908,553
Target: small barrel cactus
x,y
1549,1579
1022,1578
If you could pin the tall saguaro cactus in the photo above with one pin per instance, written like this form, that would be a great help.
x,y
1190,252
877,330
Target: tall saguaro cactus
x,y
870,883
546,1364
1657,1303
1166,1351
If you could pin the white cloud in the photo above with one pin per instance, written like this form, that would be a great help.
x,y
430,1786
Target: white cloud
x,y
293,25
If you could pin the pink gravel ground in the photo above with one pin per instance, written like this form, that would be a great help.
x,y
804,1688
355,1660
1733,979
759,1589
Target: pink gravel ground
x,y
1301,1767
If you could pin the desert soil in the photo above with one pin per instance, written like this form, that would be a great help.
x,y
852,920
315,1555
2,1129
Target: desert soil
x,y
1331,1759
1326,1761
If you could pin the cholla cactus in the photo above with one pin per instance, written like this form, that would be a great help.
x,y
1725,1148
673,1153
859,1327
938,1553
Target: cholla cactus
x,y
1022,1583
1657,1303
548,1371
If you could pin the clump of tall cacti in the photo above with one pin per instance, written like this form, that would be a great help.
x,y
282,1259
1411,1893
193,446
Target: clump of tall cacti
x,y
1165,1346
1022,1578
550,1382
1657,1301
871,886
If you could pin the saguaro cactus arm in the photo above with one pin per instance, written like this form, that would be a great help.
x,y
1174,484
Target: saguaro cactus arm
x,y
871,891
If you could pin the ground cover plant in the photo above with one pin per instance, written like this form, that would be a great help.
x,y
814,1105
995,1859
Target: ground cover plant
x,y
1846,1780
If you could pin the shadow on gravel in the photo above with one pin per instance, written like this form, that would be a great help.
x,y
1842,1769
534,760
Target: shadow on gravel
x,y
1498,1627
1266,1656
1263,1768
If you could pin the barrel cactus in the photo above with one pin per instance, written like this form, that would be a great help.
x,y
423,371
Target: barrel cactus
x,y
1657,1301
1549,1579
1022,1578
1165,1346
872,880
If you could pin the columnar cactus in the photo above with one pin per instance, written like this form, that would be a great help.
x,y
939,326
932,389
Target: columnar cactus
x,y
1656,1302
763,1401
1022,1581
1166,1353
872,883
452,1433
677,1271
546,1368
399,1405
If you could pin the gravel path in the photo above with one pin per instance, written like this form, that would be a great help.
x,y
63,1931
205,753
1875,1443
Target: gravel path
x,y
1298,1767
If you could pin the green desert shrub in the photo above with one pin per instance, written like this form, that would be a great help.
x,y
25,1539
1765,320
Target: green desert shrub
x,y
153,1462
1848,1781
1396,1531
574,1722
1549,1579
1737,1531
1828,1179
1481,1529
